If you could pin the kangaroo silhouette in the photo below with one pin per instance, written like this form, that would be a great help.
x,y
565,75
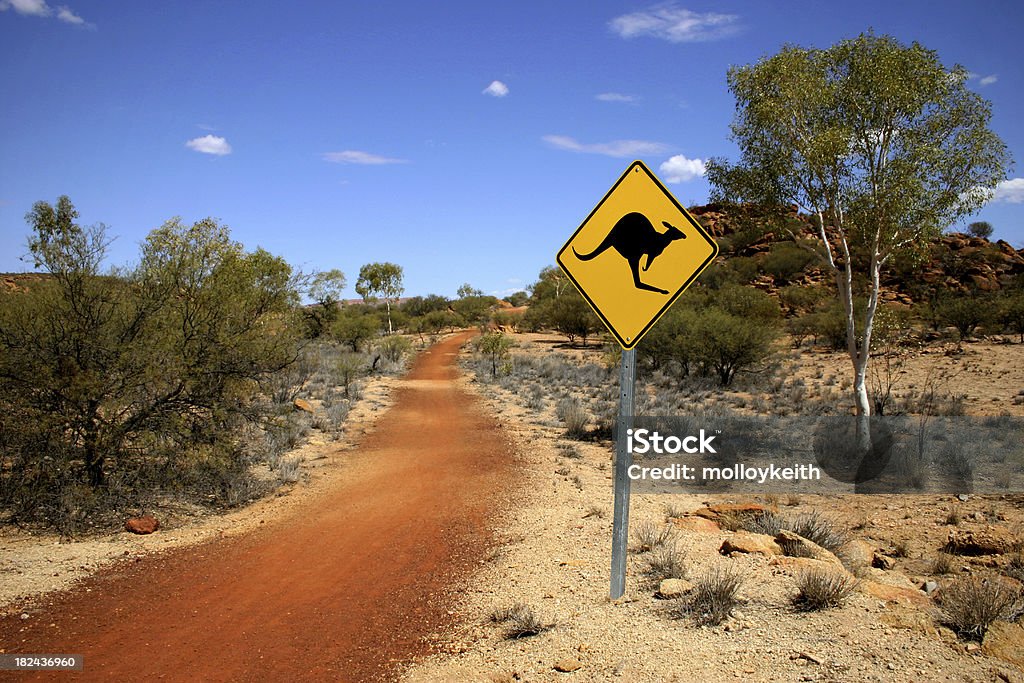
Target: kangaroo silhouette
x,y
633,236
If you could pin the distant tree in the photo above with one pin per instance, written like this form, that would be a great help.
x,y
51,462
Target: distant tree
x,y
980,229
474,309
325,289
382,280
965,313
355,325
468,290
518,299
1011,312
878,141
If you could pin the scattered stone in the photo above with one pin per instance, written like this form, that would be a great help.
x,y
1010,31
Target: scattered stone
x,y
24,616
753,544
303,405
673,588
963,497
1005,641
990,540
880,561
142,525
797,545
568,665
930,587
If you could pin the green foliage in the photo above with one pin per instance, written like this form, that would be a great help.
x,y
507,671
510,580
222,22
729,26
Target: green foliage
x,y
719,332
883,178
325,289
355,326
382,280
728,343
108,381
980,229
518,299
1011,312
394,347
421,305
496,347
965,313
473,310
786,262
557,304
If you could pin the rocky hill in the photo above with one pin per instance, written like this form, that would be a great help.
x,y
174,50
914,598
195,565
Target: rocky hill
x,y
758,242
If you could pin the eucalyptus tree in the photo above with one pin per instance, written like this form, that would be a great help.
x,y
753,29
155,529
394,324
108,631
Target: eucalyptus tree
x,y
879,142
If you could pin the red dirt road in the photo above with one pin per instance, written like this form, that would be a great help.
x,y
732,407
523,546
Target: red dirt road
x,y
347,589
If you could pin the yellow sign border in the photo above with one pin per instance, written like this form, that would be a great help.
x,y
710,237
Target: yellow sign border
x,y
672,299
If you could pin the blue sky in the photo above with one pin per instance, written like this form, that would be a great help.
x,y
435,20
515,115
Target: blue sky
x,y
464,141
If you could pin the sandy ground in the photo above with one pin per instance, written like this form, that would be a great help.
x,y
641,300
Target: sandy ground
x,y
556,560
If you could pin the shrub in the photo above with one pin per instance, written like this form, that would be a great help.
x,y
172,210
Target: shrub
x,y
819,529
572,413
394,347
786,261
521,621
823,588
971,604
715,595
495,346
965,313
647,536
666,562
136,375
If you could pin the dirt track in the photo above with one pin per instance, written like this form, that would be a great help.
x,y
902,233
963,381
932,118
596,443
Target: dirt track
x,y
347,589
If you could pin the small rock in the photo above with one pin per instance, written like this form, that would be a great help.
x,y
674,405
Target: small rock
x,y
1005,641
748,543
795,544
963,497
567,665
673,588
930,587
141,525
24,616
990,540
303,405
880,561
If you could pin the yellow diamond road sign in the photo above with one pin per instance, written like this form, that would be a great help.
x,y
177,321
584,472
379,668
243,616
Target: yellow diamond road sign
x,y
635,253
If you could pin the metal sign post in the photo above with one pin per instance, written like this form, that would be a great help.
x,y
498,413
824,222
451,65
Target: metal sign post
x,y
637,222
623,459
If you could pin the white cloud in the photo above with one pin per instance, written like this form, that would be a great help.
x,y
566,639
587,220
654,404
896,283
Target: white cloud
x,y
616,97
679,169
354,156
615,148
496,89
210,144
39,8
675,24
36,8
982,80
65,14
1010,191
